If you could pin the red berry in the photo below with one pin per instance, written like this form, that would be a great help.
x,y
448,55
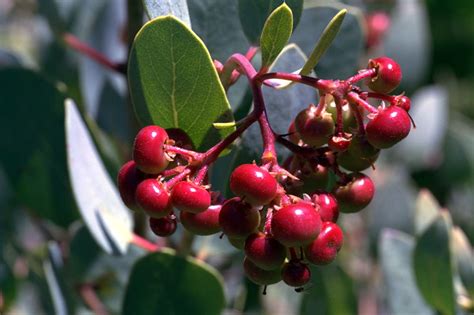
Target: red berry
x,y
127,180
148,150
403,102
190,197
203,223
388,77
264,251
153,198
254,184
238,219
314,130
339,143
296,224
327,206
388,127
295,274
324,248
163,226
356,194
259,275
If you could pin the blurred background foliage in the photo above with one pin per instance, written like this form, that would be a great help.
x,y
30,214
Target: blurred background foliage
x,y
50,263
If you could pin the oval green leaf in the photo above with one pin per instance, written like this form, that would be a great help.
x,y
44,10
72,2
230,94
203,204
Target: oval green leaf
x,y
426,211
163,283
173,82
276,33
433,265
254,13
464,257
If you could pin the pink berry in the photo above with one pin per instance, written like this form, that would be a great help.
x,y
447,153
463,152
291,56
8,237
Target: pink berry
x,y
403,102
259,275
388,127
295,274
238,219
187,196
152,196
163,226
203,223
315,130
148,151
296,224
264,251
254,184
388,77
356,194
127,180
327,206
325,247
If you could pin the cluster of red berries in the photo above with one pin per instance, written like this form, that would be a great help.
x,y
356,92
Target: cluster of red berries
x,y
282,217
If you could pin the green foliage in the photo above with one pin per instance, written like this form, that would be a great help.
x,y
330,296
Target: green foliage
x,y
275,34
173,82
34,155
433,265
254,13
163,283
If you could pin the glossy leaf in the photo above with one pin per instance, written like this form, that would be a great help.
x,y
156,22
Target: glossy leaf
x,y
174,84
401,293
341,59
464,257
324,42
94,191
332,292
33,154
275,34
178,8
433,265
254,13
163,283
426,211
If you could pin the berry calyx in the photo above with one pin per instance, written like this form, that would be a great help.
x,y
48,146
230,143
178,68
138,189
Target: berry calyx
x,y
327,206
296,224
264,251
153,198
356,194
148,152
203,223
259,275
295,274
129,177
187,196
339,143
388,127
388,76
163,226
403,102
325,247
254,184
314,129
238,219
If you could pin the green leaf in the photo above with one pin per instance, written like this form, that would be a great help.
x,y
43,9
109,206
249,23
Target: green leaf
x,y
332,293
401,293
163,283
178,8
427,210
33,150
433,266
275,34
342,58
324,42
464,257
174,84
254,13
107,218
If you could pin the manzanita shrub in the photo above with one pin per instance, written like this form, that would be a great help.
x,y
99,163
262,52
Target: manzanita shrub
x,y
235,139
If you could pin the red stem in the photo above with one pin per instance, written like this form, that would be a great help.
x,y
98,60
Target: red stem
x,y
144,243
187,153
354,98
321,105
339,118
201,175
76,44
358,117
384,97
363,74
89,296
325,85
177,178
268,221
